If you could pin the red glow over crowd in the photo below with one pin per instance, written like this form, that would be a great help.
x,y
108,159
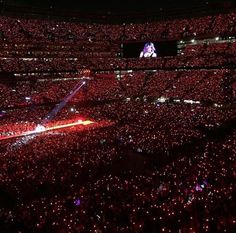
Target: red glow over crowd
x,y
161,153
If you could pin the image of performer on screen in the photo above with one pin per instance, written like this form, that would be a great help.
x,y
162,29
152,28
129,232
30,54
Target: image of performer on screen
x,y
149,50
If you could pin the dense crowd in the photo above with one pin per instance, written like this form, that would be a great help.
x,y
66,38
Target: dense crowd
x,y
215,85
80,181
21,30
57,64
145,165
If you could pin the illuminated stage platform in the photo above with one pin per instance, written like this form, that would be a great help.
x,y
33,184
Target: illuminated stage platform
x,y
41,129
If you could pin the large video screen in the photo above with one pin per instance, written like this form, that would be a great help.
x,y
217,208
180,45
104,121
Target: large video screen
x,y
149,49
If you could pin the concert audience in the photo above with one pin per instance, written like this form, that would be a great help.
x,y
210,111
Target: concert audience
x,y
160,155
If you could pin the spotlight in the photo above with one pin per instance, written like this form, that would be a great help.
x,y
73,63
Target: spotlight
x,y
40,128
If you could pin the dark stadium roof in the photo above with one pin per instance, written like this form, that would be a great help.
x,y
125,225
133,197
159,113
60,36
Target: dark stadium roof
x,y
106,5
119,10
115,5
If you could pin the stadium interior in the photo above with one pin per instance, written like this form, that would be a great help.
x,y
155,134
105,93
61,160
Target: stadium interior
x,y
96,138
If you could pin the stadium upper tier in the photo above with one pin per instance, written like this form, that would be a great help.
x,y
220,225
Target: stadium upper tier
x,y
44,31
